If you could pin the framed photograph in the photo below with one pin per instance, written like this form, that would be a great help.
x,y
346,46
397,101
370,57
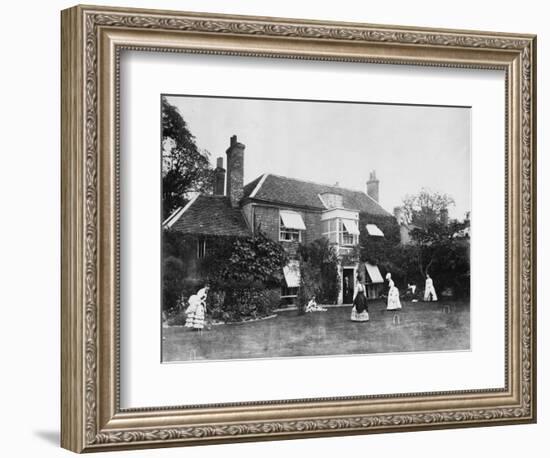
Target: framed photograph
x,y
279,228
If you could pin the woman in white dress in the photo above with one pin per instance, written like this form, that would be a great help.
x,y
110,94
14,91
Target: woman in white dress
x,y
393,295
429,290
197,310
360,311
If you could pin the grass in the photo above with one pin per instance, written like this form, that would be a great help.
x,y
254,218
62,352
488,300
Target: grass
x,y
436,326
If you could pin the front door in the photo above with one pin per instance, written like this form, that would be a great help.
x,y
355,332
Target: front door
x,y
347,286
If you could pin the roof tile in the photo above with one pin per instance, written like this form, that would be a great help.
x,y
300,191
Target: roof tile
x,y
212,215
291,191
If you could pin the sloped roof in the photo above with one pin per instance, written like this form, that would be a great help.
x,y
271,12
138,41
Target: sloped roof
x,y
249,188
290,191
210,215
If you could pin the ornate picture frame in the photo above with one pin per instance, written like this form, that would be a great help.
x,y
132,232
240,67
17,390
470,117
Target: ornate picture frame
x,y
92,40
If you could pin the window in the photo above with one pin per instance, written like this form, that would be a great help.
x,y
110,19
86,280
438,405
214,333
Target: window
x,y
345,237
201,248
330,230
291,226
341,231
289,235
348,232
288,292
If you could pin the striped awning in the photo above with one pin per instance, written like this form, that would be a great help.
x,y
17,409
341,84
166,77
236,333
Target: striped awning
x,y
374,230
351,226
292,220
374,273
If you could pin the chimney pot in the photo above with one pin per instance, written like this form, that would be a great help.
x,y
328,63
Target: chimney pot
x,y
219,178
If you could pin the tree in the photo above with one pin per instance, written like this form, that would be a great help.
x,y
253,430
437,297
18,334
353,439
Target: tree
x,y
439,241
427,207
185,168
319,267
440,248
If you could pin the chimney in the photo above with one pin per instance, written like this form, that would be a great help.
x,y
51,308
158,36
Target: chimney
x,y
219,178
373,186
235,171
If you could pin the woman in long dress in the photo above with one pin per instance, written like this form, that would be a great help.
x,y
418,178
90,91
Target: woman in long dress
x,y
393,295
197,310
360,311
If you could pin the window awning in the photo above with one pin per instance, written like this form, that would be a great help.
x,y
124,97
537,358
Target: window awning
x,y
292,220
351,226
374,273
374,230
292,274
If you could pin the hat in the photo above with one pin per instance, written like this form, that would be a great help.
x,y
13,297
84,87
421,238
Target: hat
x,y
388,276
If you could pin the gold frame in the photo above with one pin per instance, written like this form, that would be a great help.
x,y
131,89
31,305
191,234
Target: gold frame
x,y
92,38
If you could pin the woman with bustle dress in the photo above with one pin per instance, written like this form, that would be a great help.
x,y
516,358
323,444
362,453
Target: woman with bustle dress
x,y
196,310
360,311
393,295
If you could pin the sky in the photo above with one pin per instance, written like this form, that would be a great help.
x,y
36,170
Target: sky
x,y
410,147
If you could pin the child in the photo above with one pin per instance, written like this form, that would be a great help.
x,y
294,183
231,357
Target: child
x,y
411,291
313,307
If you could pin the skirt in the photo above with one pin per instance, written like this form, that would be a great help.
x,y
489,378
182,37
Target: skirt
x,y
393,299
359,316
195,319
360,302
360,311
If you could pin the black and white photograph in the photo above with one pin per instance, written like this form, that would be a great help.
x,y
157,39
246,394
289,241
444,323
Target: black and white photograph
x,y
301,228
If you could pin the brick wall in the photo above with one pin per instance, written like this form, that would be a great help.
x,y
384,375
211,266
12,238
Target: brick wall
x,y
268,219
312,221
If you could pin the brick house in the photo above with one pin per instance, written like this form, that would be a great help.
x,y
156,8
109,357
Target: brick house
x,y
287,210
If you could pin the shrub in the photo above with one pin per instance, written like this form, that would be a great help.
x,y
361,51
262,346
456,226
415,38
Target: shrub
x,y
214,304
247,302
321,270
256,259
238,271
177,318
310,281
172,282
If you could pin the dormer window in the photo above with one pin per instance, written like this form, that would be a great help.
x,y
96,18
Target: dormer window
x,y
291,225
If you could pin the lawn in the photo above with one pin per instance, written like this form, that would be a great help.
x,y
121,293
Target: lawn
x,y
436,326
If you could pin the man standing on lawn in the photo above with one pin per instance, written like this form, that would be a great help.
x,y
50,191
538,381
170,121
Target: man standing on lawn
x,y
429,290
